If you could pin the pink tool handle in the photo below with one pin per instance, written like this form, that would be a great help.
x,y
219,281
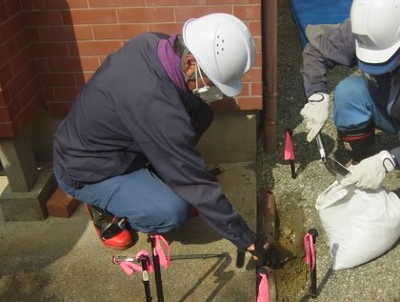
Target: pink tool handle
x,y
263,290
309,248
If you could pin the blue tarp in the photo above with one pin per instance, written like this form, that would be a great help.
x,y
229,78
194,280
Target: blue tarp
x,y
313,12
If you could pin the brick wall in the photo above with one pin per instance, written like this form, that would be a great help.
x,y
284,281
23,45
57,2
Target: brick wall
x,y
69,39
20,89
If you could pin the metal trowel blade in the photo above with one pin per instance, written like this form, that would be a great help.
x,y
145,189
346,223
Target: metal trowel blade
x,y
336,167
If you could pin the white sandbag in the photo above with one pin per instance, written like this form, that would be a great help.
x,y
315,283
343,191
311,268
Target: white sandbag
x,y
360,224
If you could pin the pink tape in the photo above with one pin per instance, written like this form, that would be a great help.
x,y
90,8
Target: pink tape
x,y
263,290
130,268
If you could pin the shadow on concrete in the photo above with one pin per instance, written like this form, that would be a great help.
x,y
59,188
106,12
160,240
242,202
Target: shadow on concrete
x,y
28,248
218,269
194,231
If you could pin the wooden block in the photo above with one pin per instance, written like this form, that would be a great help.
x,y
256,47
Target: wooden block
x,y
60,204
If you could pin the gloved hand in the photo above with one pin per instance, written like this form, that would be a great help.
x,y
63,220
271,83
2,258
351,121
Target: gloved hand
x,y
370,172
267,255
315,113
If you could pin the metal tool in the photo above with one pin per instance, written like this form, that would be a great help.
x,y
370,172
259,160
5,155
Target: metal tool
x,y
144,260
333,166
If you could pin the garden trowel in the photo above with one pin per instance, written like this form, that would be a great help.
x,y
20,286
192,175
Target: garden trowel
x,y
335,167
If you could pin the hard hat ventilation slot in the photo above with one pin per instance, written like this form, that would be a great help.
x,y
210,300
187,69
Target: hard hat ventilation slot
x,y
220,43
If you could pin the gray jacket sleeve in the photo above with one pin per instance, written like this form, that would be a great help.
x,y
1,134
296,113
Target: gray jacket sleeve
x,y
336,47
167,138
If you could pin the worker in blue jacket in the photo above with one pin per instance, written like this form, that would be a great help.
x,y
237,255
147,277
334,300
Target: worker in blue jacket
x,y
370,39
127,147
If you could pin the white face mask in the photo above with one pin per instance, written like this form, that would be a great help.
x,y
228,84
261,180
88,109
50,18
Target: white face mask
x,y
207,93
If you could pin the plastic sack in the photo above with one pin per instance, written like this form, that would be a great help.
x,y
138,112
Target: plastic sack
x,y
360,224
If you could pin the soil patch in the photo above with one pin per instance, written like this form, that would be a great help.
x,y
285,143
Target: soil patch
x,y
292,279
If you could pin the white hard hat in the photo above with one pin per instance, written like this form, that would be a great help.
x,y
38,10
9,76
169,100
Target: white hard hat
x,y
376,25
223,47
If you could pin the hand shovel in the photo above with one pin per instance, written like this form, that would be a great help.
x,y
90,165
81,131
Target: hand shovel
x,y
333,166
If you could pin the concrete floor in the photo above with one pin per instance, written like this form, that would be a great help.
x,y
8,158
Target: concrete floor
x,y
61,259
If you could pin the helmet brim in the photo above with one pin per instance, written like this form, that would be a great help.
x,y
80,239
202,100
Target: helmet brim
x,y
380,68
372,56
231,89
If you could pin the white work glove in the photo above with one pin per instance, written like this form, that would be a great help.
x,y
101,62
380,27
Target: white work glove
x,y
315,113
370,172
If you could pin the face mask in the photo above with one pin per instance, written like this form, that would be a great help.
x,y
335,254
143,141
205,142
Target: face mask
x,y
207,93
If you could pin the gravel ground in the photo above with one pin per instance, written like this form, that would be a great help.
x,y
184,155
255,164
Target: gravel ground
x,y
374,281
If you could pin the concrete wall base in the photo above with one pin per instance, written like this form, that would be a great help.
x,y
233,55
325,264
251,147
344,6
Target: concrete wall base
x,y
28,206
232,137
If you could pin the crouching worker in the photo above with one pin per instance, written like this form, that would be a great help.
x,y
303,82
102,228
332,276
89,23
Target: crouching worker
x,y
370,39
127,147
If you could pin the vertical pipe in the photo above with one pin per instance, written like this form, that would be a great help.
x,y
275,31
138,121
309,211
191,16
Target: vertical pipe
x,y
269,24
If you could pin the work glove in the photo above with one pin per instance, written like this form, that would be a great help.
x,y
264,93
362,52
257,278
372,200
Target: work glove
x,y
315,113
267,255
370,172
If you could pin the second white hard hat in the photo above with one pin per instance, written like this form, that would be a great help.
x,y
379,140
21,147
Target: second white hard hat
x,y
376,25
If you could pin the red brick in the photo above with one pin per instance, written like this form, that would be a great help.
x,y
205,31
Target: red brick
x,y
249,103
29,112
119,31
174,2
11,27
17,84
5,75
7,50
3,12
116,3
42,18
41,65
145,15
4,115
48,94
57,80
258,60
167,28
22,39
13,7
60,109
9,130
255,27
87,48
66,94
247,12
65,33
254,1
184,13
29,91
14,109
32,34
226,1
56,49
256,88
59,4
60,204
253,75
82,78
26,4
89,16
258,43
20,61
5,96
64,64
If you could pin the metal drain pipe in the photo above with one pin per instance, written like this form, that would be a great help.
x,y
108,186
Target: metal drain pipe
x,y
269,25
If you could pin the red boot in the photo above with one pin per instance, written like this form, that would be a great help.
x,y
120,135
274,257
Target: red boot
x,y
111,230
